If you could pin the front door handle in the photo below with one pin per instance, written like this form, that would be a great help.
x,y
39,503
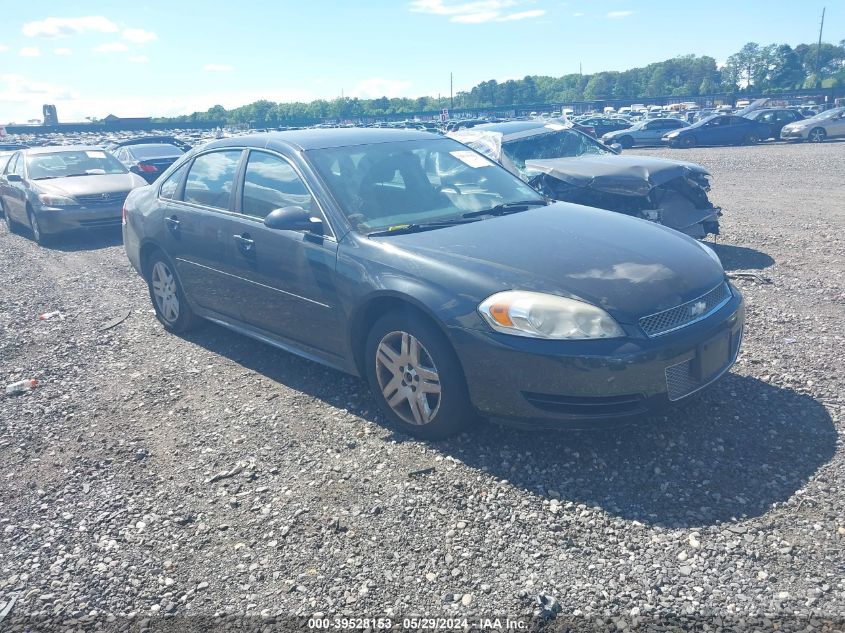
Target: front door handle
x,y
245,243
172,223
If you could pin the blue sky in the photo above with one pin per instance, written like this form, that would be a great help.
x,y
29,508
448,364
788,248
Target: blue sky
x,y
156,57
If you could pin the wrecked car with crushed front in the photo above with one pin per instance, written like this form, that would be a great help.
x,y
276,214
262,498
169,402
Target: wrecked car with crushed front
x,y
564,164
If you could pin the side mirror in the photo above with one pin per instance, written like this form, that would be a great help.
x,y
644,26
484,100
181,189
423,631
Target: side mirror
x,y
293,219
14,178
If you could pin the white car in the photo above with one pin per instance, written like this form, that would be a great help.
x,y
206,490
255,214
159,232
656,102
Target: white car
x,y
828,124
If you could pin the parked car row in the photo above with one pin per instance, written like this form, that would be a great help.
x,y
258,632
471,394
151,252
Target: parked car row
x,y
441,277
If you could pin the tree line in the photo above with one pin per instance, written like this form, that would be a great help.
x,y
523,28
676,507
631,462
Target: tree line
x,y
754,69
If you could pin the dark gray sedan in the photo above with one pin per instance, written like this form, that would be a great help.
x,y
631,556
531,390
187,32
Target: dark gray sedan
x,y
56,189
448,283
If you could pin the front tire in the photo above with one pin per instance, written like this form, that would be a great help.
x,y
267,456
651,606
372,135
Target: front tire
x,y
37,233
626,142
688,142
416,378
171,306
817,135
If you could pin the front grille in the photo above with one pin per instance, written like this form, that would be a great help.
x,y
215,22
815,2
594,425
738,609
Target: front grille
x,y
587,406
99,199
681,381
686,313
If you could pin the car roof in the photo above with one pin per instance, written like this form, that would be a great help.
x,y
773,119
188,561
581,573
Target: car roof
x,y
322,138
52,149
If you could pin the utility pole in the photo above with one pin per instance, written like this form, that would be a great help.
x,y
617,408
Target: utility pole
x,y
819,49
451,93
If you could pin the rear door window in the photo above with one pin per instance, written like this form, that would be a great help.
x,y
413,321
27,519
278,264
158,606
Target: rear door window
x,y
211,179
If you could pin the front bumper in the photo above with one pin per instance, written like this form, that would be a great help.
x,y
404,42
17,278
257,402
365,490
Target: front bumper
x,y
792,135
60,219
582,384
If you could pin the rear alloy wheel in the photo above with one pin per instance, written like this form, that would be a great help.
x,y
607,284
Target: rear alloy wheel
x,y
751,139
10,224
166,293
416,378
817,135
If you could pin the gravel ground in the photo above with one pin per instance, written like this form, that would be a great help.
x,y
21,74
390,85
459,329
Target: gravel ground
x,y
150,477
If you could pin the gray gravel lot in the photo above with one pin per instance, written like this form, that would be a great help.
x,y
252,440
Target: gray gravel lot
x,y
154,476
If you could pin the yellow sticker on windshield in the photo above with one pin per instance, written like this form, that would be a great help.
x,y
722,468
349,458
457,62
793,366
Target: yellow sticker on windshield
x,y
468,157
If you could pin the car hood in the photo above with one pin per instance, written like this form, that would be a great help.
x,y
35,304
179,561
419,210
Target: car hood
x,y
628,175
629,267
90,185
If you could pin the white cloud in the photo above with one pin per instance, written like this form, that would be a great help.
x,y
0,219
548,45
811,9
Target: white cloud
x,y
30,51
56,27
378,87
578,15
478,12
475,18
111,47
523,15
3,48
139,59
615,15
62,52
139,36
218,68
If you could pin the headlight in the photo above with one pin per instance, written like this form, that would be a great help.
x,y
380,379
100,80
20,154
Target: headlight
x,y
538,315
711,253
53,200
673,134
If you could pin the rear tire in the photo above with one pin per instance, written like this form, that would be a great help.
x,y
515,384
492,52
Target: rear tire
x,y
416,378
751,139
10,223
171,306
817,135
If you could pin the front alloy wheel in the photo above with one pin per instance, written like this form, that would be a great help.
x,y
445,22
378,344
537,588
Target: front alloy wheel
x,y
37,233
408,378
416,377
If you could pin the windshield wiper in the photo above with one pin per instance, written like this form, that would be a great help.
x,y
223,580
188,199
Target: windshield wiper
x,y
508,207
418,227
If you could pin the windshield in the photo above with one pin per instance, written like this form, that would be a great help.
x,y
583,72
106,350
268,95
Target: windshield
x,y
829,114
555,144
387,185
73,163
4,159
